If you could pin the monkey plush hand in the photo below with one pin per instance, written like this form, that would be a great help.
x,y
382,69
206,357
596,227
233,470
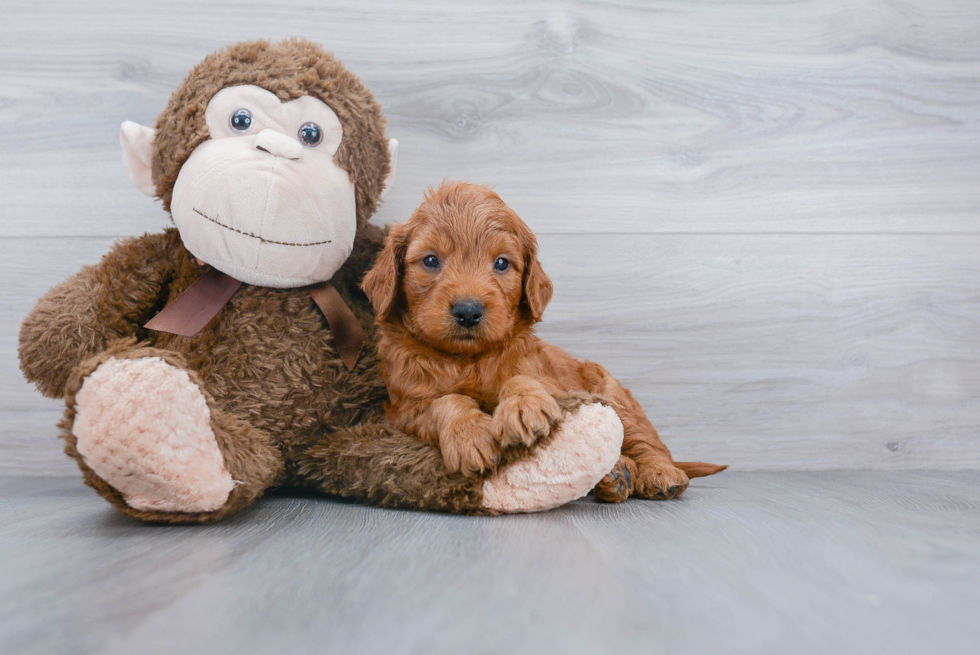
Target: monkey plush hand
x,y
235,352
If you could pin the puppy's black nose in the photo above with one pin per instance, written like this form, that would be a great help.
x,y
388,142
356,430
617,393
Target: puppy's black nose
x,y
468,313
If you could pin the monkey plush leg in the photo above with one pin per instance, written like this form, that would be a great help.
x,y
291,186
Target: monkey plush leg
x,y
389,468
386,467
150,440
581,451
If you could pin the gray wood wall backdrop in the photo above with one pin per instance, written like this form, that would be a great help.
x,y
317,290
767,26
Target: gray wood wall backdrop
x,y
761,215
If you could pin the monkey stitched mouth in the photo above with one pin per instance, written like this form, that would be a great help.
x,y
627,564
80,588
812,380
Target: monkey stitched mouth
x,y
256,236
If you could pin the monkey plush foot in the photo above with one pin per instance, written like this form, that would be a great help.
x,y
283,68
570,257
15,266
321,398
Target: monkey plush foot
x,y
144,427
585,447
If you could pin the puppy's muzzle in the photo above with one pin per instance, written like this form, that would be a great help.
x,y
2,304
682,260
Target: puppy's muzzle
x,y
467,313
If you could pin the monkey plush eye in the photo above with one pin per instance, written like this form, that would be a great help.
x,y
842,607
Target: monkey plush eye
x,y
501,264
431,262
310,134
241,121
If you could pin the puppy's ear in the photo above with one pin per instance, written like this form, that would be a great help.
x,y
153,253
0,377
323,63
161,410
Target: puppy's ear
x,y
381,284
537,285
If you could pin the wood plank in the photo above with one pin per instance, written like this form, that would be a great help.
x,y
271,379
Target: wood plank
x,y
849,562
761,351
664,116
30,442
779,350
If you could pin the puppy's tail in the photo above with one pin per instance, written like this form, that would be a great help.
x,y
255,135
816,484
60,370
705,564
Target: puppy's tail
x,y
699,469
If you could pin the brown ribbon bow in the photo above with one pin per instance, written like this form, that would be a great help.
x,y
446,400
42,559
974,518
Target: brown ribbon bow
x,y
198,304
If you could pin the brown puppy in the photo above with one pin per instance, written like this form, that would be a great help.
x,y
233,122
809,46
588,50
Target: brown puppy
x,y
456,292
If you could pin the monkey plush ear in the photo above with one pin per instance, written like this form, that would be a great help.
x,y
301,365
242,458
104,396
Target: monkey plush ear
x,y
392,162
137,147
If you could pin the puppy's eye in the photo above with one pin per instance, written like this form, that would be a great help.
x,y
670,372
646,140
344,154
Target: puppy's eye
x,y
241,121
431,262
501,264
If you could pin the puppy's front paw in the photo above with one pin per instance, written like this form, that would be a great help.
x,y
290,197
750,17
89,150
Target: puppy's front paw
x,y
470,452
659,480
524,418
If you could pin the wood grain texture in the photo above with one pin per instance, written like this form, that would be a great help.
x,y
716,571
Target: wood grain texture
x,y
811,562
662,116
762,216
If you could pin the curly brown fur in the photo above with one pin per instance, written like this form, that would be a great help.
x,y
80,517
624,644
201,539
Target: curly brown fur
x,y
413,477
476,389
79,317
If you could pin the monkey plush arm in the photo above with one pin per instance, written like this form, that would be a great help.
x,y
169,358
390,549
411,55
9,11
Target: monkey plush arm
x,y
100,304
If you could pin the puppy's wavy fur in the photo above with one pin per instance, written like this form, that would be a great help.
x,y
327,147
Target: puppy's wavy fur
x,y
475,391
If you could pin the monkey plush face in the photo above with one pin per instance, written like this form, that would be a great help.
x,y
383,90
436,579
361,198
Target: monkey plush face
x,y
263,200
263,178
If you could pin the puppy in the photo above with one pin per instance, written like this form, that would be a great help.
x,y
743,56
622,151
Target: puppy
x,y
456,292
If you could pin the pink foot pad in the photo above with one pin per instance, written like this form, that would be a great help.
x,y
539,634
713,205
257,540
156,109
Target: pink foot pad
x,y
144,427
585,448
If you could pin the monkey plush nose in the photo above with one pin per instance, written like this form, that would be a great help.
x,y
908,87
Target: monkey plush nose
x,y
278,144
468,313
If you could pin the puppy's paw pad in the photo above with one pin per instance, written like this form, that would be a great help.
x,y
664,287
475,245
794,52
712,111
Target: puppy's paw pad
x,y
618,483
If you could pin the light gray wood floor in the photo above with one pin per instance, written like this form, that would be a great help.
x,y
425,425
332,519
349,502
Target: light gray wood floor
x,y
801,562
762,216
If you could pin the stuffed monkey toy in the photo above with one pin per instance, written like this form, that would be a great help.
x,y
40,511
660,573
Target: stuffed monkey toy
x,y
235,351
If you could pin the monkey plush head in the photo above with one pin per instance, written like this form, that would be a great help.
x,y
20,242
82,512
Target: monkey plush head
x,y
269,157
